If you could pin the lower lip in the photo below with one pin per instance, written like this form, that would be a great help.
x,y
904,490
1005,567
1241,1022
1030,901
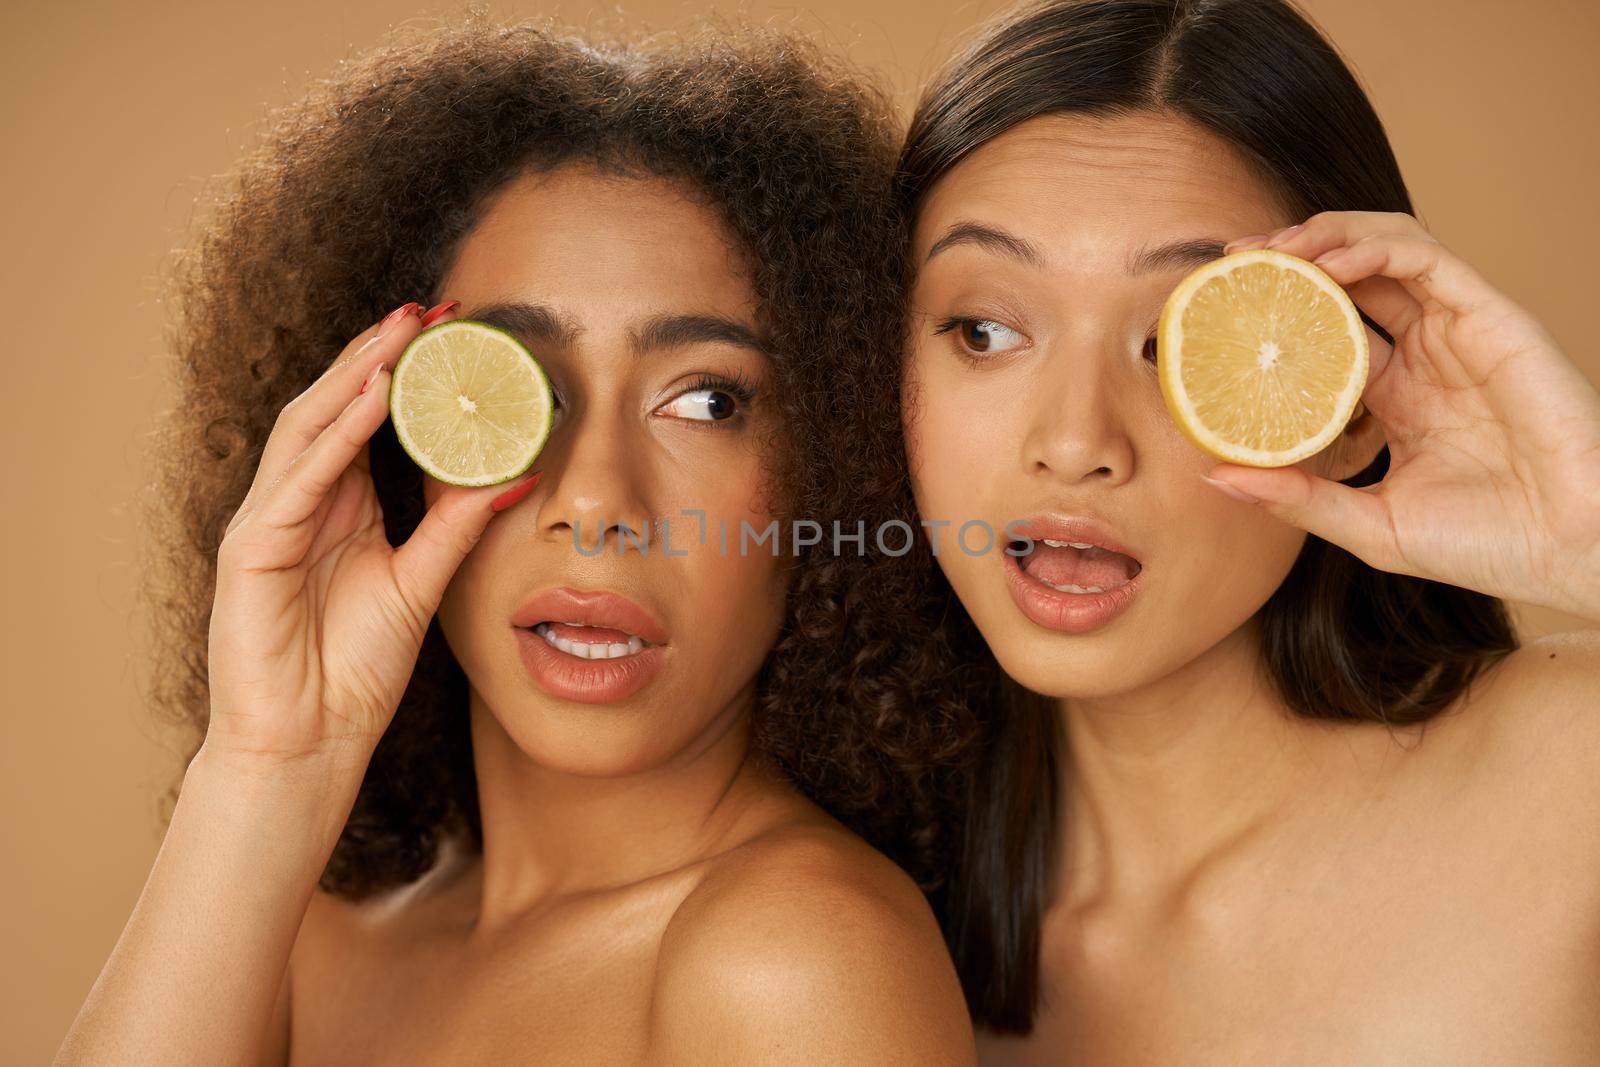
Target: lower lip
x,y
587,681
1072,613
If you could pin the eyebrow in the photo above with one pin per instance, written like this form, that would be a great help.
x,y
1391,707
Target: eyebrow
x,y
538,324
675,331
989,238
532,324
1174,255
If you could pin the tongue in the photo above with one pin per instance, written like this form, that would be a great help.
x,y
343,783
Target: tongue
x,y
1073,566
590,635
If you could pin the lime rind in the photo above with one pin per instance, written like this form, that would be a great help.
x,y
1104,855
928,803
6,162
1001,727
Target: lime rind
x,y
448,363
1170,343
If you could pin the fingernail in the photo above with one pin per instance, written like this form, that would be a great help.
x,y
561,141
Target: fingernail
x,y
516,493
1328,257
396,315
372,376
1240,242
1232,490
1282,236
433,313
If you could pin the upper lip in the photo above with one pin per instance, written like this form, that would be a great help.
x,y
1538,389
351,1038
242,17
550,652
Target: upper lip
x,y
590,607
1069,528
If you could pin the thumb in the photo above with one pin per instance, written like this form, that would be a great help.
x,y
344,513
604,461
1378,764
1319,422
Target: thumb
x,y
424,565
1354,519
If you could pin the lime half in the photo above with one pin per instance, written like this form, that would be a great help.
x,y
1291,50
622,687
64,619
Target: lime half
x,y
469,403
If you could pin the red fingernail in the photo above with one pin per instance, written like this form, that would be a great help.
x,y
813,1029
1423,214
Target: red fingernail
x,y
396,315
516,493
372,376
433,313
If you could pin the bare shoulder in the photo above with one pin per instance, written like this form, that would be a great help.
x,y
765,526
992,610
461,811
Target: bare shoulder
x,y
1546,691
1534,722
805,945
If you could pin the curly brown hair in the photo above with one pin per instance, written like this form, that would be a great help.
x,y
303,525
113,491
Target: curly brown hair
x,y
352,203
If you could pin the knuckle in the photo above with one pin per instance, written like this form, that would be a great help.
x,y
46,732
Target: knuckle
x,y
235,549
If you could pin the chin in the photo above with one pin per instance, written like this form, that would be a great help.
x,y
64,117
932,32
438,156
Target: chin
x,y
587,741
1083,670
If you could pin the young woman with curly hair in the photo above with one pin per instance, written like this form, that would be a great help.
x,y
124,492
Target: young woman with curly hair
x,y
465,792
1268,777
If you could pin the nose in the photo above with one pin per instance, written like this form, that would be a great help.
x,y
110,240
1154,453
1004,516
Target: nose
x,y
594,486
1076,429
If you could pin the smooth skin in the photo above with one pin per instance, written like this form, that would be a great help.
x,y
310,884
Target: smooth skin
x,y
650,890
1240,885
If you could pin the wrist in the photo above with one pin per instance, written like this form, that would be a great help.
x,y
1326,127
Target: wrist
x,y
299,801
331,762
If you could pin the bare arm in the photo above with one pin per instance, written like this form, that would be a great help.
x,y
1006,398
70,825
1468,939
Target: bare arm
x,y
315,630
195,976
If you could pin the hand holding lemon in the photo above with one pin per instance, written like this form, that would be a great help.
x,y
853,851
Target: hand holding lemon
x,y
1493,433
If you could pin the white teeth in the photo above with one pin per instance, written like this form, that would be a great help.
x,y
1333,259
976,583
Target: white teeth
x,y
1070,588
1067,544
586,650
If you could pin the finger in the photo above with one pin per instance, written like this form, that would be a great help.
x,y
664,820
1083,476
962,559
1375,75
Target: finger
x,y
1328,230
450,528
305,417
294,496
1379,352
1386,302
1354,519
1240,244
442,312
1428,270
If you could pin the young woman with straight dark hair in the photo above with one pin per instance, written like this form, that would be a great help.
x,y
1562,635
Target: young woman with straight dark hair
x,y
1267,776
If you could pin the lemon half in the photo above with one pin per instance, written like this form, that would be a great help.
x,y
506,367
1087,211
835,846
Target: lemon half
x,y
1262,358
470,404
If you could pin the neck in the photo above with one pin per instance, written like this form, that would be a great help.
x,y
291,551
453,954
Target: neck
x,y
1156,781
549,832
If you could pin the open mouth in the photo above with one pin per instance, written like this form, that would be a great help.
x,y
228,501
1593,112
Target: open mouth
x,y
1075,566
1070,575
590,642
591,646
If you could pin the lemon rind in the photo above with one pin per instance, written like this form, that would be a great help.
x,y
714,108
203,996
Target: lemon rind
x,y
1169,333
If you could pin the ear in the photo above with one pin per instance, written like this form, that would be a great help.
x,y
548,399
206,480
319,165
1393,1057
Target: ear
x,y
1354,449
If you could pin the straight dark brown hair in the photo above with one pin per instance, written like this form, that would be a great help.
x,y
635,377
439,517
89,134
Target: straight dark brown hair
x,y
1341,640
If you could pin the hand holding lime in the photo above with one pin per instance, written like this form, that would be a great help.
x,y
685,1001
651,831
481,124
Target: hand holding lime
x,y
470,404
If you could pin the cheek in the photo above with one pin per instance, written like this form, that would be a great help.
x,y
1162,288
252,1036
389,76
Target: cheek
x,y
954,438
1232,556
735,584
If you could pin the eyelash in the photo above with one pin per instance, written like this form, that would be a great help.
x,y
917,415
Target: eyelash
x,y
958,321
735,383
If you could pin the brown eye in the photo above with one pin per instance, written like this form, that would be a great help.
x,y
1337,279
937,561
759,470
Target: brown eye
x,y
1150,350
703,405
984,335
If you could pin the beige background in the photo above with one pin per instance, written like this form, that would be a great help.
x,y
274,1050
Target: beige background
x,y
118,114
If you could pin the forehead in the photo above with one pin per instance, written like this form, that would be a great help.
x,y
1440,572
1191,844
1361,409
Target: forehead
x,y
1086,187
608,244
